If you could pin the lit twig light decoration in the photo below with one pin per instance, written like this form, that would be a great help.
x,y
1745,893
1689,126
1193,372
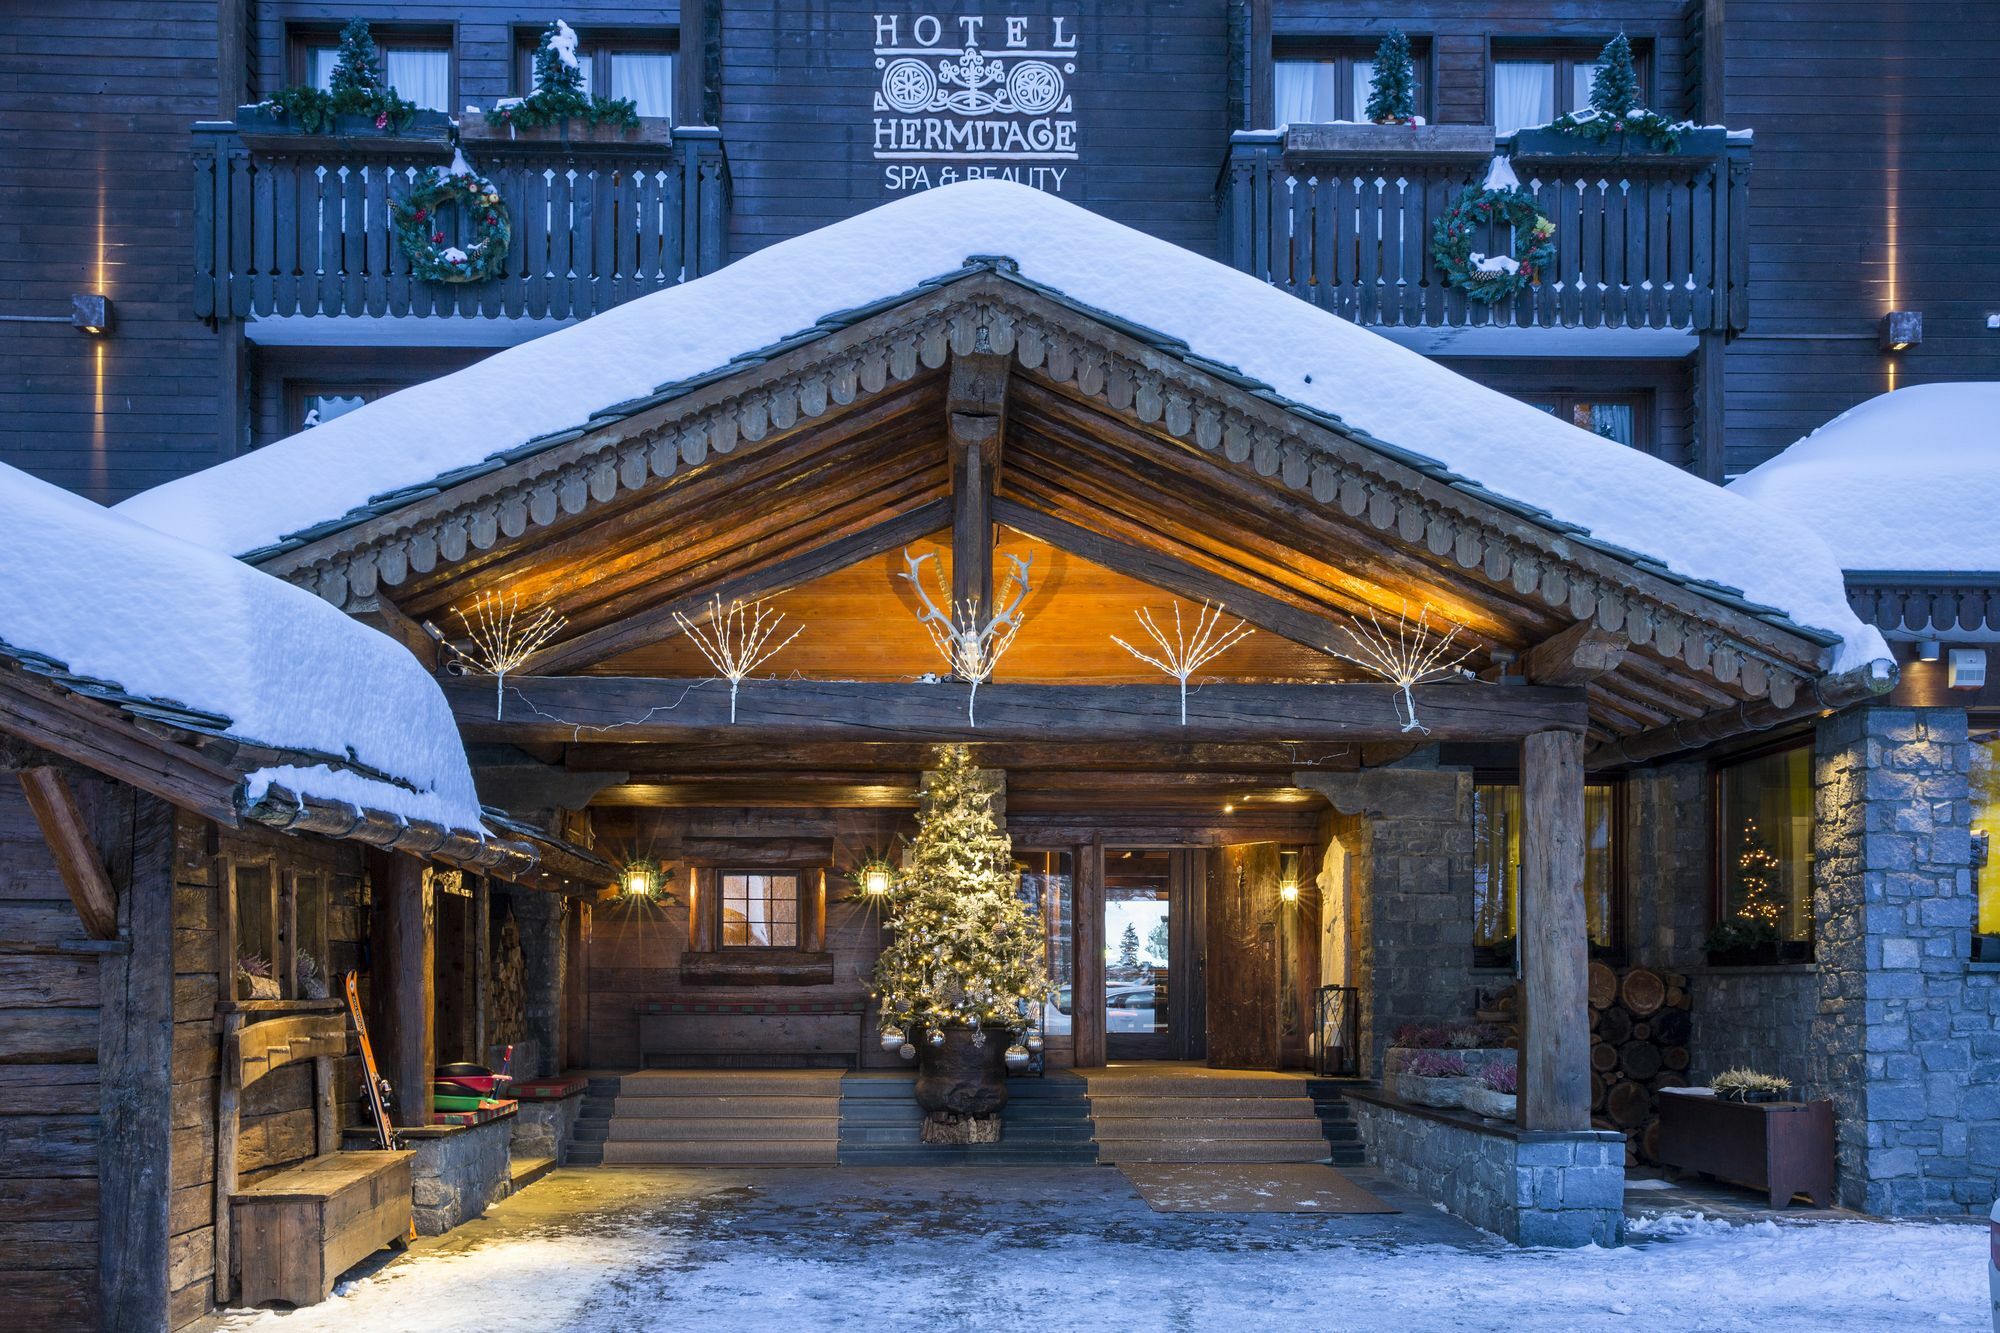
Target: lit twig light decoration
x,y
503,637
970,646
1190,649
737,640
1413,654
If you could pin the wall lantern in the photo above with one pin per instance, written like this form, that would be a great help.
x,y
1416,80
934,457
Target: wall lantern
x,y
1288,878
1965,669
91,312
877,877
1927,650
640,879
1901,330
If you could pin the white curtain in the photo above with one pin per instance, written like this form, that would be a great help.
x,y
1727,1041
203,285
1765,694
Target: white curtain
x,y
1364,86
320,61
331,405
1613,421
1524,93
423,77
1582,76
1305,92
647,77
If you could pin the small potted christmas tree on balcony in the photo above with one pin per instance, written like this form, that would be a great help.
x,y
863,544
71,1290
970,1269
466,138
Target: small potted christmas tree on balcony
x,y
964,966
1615,121
1393,125
358,99
559,102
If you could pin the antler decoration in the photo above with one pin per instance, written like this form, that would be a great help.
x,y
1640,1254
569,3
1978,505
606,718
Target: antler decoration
x,y
971,647
503,637
737,641
1406,659
1191,648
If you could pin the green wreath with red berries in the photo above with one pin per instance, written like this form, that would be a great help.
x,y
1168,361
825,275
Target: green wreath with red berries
x,y
1496,278
425,239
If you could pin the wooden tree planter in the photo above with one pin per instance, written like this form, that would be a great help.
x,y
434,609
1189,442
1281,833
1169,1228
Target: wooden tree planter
x,y
1784,1148
656,131
260,120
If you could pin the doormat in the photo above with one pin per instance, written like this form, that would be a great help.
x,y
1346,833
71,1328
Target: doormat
x,y
1227,1187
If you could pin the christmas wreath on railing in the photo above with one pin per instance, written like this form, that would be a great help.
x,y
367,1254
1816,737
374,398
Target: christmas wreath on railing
x,y
421,233
1493,278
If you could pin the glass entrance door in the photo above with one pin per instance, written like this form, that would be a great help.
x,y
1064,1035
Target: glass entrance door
x,y
1151,956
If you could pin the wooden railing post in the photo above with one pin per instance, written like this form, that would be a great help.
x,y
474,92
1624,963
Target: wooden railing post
x,y
1555,1043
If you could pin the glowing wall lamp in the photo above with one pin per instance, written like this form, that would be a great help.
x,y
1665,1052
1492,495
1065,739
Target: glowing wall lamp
x,y
1901,330
91,312
877,878
1288,878
641,879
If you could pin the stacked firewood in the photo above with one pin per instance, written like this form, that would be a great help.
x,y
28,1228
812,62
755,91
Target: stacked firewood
x,y
1639,1026
506,1018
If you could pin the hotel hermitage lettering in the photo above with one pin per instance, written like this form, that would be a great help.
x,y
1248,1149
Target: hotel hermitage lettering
x,y
974,96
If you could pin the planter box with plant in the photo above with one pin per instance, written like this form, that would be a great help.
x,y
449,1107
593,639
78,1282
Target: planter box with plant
x,y
1476,1048
357,101
1493,1093
1614,124
559,98
1737,1130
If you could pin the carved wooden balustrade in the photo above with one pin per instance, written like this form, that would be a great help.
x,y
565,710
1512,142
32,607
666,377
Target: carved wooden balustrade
x,y
1342,216
300,224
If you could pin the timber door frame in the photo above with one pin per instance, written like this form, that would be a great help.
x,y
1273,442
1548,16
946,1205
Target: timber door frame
x,y
1186,1037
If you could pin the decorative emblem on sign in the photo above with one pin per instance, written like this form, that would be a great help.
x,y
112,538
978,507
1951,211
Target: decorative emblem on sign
x,y
943,110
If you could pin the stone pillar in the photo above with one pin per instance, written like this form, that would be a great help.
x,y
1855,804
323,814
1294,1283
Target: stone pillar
x,y
541,919
1901,1021
1666,832
1408,831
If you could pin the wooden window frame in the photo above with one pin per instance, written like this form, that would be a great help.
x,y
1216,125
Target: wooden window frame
x,y
1344,51
296,391
300,37
1566,54
1613,953
595,45
1795,952
1985,948
705,911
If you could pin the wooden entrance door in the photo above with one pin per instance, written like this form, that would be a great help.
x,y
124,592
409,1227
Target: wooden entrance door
x,y
1153,1000
1243,970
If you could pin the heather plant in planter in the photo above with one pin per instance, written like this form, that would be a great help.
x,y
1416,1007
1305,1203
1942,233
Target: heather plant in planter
x,y
1435,1078
1493,1095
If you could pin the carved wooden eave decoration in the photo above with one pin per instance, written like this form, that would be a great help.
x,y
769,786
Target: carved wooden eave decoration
x,y
190,760
1696,649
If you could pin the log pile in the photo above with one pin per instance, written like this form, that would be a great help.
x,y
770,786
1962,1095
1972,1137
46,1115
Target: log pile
x,y
506,1018
1639,1027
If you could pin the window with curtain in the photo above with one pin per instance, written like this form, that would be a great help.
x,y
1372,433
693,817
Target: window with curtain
x,y
1306,91
1985,787
638,66
1524,94
1496,867
418,68
760,909
1620,417
1324,83
1764,851
1533,84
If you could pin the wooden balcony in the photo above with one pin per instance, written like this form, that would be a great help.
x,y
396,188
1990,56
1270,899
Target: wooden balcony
x,y
300,224
1644,240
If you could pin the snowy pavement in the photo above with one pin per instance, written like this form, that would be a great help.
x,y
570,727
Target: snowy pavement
x,y
1001,1249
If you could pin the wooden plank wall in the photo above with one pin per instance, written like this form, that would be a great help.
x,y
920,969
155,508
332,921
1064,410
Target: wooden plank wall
x,y
277,1119
49,1125
1862,204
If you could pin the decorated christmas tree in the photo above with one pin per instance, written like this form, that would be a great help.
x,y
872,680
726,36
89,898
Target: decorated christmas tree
x,y
558,95
1392,98
1757,883
558,76
965,951
1614,90
357,68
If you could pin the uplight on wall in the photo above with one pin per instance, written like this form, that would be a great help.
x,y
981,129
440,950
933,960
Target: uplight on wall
x,y
91,312
640,879
1901,330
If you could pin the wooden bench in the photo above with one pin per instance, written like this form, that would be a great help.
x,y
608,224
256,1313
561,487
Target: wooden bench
x,y
287,1237
299,1230
783,1032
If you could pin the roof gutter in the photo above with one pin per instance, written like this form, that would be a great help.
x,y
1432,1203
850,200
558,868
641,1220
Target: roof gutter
x,y
1823,694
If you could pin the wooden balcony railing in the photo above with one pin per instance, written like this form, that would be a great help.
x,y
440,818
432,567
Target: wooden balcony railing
x,y
1643,241
300,225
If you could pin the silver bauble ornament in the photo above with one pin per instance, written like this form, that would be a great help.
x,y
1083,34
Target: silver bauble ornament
x,y
892,1038
1034,1042
907,1051
935,1039
1018,1058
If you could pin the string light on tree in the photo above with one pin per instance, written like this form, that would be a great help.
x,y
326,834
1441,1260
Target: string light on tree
x,y
1757,870
737,640
1413,654
970,646
503,636
1190,649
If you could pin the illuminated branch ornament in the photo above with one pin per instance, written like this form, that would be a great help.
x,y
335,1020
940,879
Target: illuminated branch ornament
x,y
1413,654
737,641
1190,649
503,637
970,646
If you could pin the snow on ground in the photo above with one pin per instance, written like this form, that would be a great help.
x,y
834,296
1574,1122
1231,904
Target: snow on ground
x,y
832,1268
1908,480
1309,356
117,601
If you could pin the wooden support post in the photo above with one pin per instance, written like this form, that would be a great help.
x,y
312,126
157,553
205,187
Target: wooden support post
x,y
1087,968
482,962
1555,952
976,419
405,986
576,988
228,1127
76,858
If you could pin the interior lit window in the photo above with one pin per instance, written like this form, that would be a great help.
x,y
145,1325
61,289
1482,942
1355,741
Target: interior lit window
x,y
760,910
1985,784
1496,867
1764,857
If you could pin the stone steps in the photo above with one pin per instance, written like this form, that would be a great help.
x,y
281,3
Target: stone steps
x,y
1336,1122
733,1152
1195,1115
1046,1123
697,1117
1211,1150
690,1127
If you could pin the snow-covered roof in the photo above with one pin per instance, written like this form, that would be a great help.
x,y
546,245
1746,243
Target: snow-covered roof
x,y
1907,481
487,414
121,610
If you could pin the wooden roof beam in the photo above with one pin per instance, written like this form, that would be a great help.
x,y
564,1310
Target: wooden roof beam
x,y
1577,656
575,708
75,855
976,422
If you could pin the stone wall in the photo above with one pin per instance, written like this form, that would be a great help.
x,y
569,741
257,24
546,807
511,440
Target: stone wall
x,y
458,1173
544,1128
1532,1187
1666,832
1409,832
1754,1017
1903,1038
543,920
